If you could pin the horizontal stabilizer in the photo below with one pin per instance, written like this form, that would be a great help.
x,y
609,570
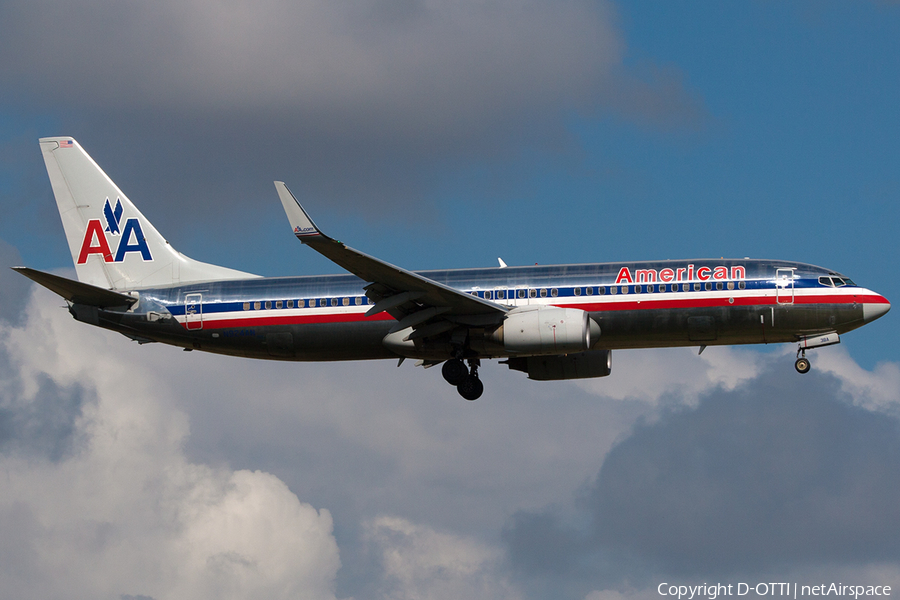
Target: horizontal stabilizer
x,y
75,291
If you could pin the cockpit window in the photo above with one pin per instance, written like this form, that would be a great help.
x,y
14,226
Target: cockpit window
x,y
835,281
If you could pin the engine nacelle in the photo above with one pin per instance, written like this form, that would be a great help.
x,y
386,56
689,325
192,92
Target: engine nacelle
x,y
546,330
583,365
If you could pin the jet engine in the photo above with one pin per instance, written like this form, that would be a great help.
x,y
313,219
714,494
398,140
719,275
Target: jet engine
x,y
583,365
546,330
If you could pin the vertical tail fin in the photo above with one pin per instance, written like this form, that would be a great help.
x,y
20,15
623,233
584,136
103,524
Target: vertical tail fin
x,y
113,245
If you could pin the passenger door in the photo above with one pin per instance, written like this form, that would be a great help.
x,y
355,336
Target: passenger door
x,y
193,311
784,285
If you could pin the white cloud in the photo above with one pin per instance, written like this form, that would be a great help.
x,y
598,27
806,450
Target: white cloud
x,y
655,374
125,512
421,563
877,390
371,437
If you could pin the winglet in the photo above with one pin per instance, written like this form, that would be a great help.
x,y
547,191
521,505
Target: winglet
x,y
303,226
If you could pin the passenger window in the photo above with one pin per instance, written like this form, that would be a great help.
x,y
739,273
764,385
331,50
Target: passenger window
x,y
685,287
577,291
709,285
554,292
532,293
696,287
358,301
543,293
323,302
520,293
742,285
346,301
638,289
256,305
730,285
624,289
279,304
662,287
246,306
600,290
268,304
590,290
718,285
334,301
501,294
613,289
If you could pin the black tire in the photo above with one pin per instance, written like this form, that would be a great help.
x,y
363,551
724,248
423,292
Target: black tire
x,y
802,365
454,371
470,388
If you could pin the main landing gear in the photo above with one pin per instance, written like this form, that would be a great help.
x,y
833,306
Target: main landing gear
x,y
465,379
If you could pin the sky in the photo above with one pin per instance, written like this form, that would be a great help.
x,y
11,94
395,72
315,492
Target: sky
x,y
442,135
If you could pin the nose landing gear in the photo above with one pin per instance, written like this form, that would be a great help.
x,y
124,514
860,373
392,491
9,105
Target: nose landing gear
x,y
465,379
813,341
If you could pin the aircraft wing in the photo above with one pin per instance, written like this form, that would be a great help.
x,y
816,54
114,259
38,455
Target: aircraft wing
x,y
413,300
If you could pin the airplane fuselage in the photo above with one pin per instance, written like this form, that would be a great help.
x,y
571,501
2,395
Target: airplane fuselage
x,y
636,305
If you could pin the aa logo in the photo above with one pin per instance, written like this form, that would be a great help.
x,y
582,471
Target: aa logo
x,y
131,237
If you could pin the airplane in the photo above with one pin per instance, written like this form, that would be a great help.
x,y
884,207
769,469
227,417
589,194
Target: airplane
x,y
551,322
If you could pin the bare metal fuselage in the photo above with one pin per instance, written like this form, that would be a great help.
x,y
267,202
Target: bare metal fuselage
x,y
322,318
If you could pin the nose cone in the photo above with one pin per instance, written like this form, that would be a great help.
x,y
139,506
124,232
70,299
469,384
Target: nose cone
x,y
873,310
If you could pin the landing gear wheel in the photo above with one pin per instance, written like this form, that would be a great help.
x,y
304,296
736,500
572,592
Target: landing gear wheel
x,y
471,387
454,371
802,365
